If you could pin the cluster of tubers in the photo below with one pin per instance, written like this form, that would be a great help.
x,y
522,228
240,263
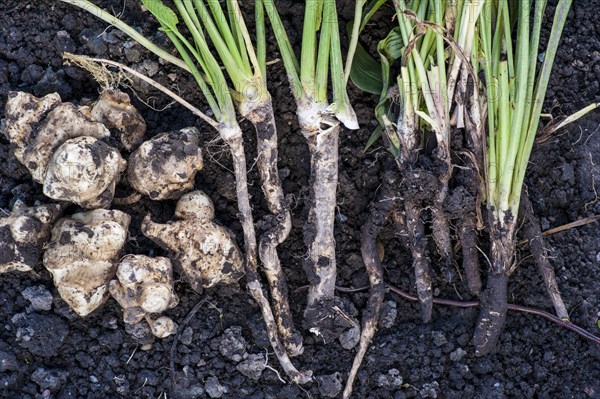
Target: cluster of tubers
x,y
68,150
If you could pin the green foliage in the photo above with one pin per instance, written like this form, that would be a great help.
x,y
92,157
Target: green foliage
x,y
163,14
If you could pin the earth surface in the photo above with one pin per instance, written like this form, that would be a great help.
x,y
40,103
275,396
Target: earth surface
x,y
223,349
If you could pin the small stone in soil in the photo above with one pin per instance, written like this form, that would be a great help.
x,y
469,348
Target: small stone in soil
x,y
42,335
39,296
186,336
389,312
141,332
392,379
233,344
253,366
8,361
49,379
213,387
429,390
350,338
457,355
439,339
122,384
259,333
329,385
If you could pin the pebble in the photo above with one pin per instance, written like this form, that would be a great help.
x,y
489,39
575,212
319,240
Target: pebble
x,y
389,312
49,379
52,81
39,296
141,332
429,390
457,355
253,366
232,344
350,338
132,54
439,339
392,379
8,361
150,67
122,384
329,385
213,387
186,336
42,335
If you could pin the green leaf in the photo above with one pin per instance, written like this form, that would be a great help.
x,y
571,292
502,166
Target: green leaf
x,y
164,14
392,47
366,71
374,137
371,9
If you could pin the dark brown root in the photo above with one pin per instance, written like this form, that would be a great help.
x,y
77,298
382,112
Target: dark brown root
x,y
379,213
492,315
233,138
494,303
417,242
461,206
473,304
279,222
467,231
533,233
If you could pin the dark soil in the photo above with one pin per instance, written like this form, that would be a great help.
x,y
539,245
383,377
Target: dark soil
x,y
54,353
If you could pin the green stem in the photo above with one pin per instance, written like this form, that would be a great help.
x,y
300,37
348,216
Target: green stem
x,y
128,30
313,13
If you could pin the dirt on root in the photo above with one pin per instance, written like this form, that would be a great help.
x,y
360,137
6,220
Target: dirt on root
x,y
54,353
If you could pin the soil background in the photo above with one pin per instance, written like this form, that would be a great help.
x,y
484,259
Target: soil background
x,y
60,355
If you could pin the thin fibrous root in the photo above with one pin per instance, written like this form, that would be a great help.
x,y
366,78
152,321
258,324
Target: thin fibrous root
x,y
473,304
370,255
321,131
233,137
533,233
260,113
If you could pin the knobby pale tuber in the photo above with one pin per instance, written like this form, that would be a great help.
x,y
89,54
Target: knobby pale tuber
x,y
84,171
59,144
115,111
82,256
144,286
206,252
23,233
164,167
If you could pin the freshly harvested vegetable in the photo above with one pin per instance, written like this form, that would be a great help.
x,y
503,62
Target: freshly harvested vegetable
x,y
319,121
23,233
418,100
143,288
516,91
164,167
230,38
115,111
60,145
205,251
82,256
84,171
